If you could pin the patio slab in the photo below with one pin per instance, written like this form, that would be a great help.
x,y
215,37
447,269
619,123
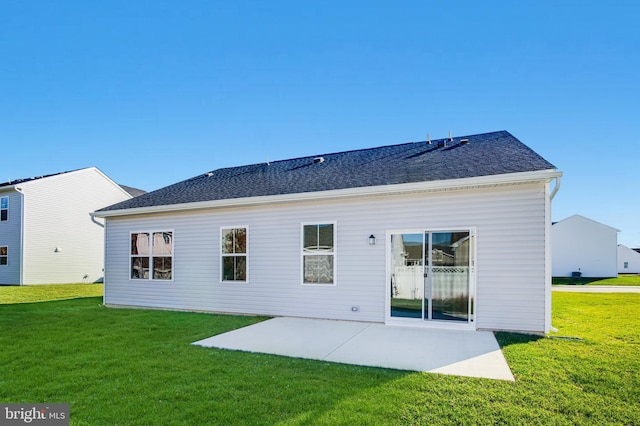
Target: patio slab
x,y
455,352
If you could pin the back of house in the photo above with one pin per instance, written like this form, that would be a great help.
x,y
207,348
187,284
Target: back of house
x,y
449,233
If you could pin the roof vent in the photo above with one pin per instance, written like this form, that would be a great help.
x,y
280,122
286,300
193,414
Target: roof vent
x,y
428,139
442,144
318,160
464,141
209,174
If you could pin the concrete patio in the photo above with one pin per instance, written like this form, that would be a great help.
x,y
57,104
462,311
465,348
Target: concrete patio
x,y
455,352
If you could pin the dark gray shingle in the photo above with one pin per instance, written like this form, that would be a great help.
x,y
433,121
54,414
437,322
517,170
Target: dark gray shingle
x,y
485,154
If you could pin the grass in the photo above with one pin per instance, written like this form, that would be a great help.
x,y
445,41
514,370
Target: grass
x,y
40,293
137,367
621,280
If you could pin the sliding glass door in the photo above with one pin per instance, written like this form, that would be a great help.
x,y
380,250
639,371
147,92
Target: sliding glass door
x,y
431,275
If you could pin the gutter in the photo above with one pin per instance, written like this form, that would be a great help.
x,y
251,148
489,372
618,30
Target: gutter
x,y
93,219
403,188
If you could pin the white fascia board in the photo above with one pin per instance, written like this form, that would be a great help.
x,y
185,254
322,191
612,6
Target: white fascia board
x,y
403,188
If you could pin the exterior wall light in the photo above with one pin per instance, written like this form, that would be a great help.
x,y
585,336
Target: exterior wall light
x,y
372,240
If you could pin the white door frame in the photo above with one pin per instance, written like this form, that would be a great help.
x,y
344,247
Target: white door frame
x,y
414,322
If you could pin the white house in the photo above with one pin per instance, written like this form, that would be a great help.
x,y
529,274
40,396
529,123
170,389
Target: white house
x,y
628,260
580,244
451,233
47,233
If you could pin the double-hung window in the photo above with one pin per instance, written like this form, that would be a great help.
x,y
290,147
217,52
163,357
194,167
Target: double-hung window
x,y
152,255
233,252
4,208
4,255
318,253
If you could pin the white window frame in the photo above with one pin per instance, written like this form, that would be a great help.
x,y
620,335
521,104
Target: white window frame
x,y
5,256
4,209
245,254
334,252
150,256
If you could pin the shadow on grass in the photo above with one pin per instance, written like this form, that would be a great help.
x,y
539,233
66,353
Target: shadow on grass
x,y
574,281
505,338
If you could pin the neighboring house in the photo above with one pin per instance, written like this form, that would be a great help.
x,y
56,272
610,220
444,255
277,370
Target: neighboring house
x,y
47,233
447,233
580,244
628,260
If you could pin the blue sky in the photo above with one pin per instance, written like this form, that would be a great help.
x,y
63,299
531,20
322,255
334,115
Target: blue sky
x,y
156,92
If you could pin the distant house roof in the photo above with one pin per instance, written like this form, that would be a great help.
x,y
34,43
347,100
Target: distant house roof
x,y
134,192
584,219
29,179
463,157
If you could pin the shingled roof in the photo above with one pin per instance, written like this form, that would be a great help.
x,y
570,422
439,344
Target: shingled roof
x,y
29,179
463,157
130,190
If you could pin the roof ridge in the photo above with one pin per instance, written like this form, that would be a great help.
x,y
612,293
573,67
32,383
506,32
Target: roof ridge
x,y
483,154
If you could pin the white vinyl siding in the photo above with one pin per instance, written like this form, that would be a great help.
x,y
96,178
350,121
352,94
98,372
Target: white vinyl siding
x,y
57,215
586,246
628,260
510,288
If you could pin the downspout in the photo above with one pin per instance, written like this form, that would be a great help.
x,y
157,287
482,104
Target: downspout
x,y
553,194
556,188
93,219
104,256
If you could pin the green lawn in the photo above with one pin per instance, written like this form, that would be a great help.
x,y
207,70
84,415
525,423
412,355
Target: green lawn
x,y
623,280
137,367
41,293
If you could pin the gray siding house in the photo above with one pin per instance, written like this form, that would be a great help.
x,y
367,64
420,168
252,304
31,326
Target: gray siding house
x,y
451,233
47,234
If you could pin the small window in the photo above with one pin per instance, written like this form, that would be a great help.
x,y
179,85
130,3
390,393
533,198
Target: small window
x,y
233,252
152,255
4,208
318,253
4,255
626,265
